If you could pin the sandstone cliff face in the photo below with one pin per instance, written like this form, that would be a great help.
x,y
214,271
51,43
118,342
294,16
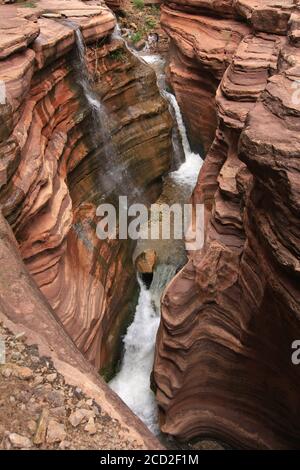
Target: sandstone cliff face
x,y
223,364
54,167
200,51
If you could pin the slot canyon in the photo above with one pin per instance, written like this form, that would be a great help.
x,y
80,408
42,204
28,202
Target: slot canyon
x,y
133,344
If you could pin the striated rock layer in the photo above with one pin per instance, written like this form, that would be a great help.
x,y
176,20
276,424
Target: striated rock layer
x,y
200,51
25,311
223,365
57,165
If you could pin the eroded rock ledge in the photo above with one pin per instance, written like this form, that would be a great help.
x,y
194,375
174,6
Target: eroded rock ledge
x,y
54,173
223,364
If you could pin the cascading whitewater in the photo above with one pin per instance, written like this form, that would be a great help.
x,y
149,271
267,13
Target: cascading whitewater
x,y
132,383
84,80
189,170
116,175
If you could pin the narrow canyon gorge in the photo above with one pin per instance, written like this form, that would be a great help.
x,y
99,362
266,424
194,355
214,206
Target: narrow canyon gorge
x,y
165,102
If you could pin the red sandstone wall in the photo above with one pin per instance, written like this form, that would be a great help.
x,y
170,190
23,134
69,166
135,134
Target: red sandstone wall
x,y
223,358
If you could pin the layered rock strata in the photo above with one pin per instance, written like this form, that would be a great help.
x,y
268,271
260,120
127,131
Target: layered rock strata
x,y
201,49
223,365
55,166
26,312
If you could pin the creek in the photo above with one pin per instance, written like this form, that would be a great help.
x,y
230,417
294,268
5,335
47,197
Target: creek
x,y
132,382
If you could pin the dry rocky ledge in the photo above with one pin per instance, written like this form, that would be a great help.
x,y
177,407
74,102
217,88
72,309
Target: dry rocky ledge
x,y
39,410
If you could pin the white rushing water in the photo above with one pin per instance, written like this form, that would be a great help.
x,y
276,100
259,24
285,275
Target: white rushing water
x,y
117,174
132,383
188,172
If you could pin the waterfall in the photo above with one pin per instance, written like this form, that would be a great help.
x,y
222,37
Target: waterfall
x,y
132,383
188,172
100,119
115,174
116,35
